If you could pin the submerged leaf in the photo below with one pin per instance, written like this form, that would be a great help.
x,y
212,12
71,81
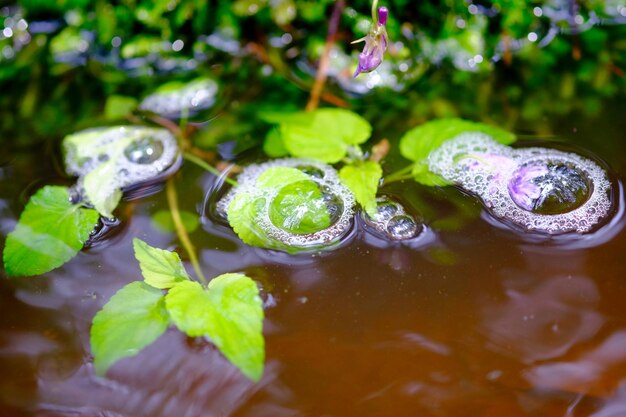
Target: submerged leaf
x,y
229,312
300,208
323,134
132,319
419,142
160,268
50,232
363,179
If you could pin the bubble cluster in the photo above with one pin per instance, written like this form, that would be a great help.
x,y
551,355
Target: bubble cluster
x,y
172,102
539,189
392,220
284,222
130,155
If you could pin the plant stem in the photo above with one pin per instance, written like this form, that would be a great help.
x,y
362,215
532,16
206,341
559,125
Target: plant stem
x,y
202,164
322,70
183,236
402,174
374,12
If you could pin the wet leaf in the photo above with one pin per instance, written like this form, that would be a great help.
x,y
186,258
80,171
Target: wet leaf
x,y
419,142
132,319
162,220
160,268
324,134
50,232
229,312
362,179
243,218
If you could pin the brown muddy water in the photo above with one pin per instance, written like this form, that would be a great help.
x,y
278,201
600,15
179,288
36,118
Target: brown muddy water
x,y
473,320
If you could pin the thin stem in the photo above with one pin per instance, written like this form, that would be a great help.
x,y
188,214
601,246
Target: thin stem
x,y
183,236
374,12
202,164
401,174
322,70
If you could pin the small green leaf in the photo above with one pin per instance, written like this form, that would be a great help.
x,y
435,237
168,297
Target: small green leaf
x,y
300,208
324,134
275,178
50,232
132,319
242,216
229,312
160,268
162,221
117,107
363,179
101,190
419,142
274,145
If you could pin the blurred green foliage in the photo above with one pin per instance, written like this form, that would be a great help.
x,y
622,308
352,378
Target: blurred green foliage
x,y
509,62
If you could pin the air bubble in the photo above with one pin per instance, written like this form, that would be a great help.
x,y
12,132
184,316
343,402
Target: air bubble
x,y
311,171
392,220
144,151
549,188
538,189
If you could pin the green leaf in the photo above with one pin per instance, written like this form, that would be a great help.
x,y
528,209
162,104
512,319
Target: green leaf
x,y
50,232
300,208
117,107
275,178
132,319
229,312
242,216
160,268
162,220
419,142
274,145
363,179
324,134
101,191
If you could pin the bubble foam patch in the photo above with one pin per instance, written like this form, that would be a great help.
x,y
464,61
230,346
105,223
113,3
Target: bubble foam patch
x,y
539,189
335,197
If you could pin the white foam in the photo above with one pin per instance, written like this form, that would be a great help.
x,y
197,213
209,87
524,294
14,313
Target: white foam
x,y
329,182
196,95
479,164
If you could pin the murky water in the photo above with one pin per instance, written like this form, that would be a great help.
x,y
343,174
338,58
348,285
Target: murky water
x,y
469,320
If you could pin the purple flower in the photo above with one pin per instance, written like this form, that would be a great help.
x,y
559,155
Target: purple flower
x,y
523,188
375,44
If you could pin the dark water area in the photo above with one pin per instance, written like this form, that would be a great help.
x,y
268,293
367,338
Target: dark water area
x,y
471,320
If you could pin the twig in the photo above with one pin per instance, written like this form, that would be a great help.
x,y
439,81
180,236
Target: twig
x,y
322,70
202,164
183,236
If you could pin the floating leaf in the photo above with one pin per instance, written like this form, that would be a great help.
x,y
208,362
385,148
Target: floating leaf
x,y
362,179
243,218
160,268
229,312
162,220
132,319
419,142
50,232
324,134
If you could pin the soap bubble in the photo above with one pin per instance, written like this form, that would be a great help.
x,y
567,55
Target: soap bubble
x,y
173,99
392,221
291,224
129,155
538,189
